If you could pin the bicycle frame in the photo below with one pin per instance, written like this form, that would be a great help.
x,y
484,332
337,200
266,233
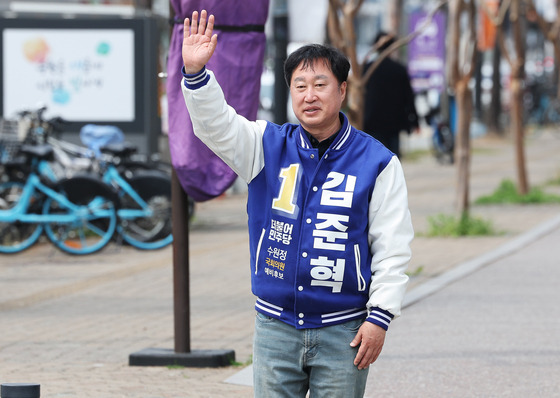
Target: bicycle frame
x,y
67,217
138,219
112,176
32,185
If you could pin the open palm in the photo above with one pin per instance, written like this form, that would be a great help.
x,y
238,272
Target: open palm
x,y
198,41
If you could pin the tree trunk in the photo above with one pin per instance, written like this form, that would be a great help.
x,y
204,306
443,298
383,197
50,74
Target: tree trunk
x,y
355,100
517,77
495,109
341,31
518,132
396,15
463,98
460,71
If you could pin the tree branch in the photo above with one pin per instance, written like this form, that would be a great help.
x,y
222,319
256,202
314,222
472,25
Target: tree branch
x,y
496,18
398,43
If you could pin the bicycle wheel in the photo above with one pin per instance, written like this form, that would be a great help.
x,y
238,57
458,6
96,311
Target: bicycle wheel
x,y
552,112
17,236
151,228
88,222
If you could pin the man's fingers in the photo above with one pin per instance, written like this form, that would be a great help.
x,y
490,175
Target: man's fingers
x,y
210,26
366,357
359,357
202,23
194,24
213,43
199,42
186,28
363,358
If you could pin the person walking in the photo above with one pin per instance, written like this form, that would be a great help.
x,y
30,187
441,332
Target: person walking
x,y
389,101
328,217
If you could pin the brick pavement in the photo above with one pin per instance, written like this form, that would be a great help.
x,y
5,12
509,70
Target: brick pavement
x,y
69,323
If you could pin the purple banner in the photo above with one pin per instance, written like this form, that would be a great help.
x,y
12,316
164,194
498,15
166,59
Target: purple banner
x,y
426,52
237,64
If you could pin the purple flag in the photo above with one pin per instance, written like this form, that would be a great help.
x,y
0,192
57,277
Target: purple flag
x,y
426,53
237,64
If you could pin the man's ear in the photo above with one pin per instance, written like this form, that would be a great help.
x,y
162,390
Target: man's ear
x,y
342,88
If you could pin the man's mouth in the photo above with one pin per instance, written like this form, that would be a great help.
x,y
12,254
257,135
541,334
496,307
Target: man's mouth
x,y
311,110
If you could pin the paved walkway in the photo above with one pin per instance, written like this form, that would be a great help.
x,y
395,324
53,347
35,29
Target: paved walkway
x,y
494,333
70,323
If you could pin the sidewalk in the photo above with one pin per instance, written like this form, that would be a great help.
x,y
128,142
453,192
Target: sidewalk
x,y
70,323
492,334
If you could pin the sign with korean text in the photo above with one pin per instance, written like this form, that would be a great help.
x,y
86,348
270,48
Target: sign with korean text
x,y
426,52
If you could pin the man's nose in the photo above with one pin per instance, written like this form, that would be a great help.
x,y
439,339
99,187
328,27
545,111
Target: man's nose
x,y
310,94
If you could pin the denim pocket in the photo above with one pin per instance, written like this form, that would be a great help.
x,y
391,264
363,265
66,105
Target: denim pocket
x,y
262,318
353,326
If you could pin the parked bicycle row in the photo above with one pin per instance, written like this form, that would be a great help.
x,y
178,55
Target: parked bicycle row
x,y
80,197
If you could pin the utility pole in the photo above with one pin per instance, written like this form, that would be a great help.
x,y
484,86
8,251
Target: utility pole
x,y
280,27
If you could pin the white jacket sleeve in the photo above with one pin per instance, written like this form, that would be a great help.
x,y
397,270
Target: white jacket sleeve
x,y
236,140
390,234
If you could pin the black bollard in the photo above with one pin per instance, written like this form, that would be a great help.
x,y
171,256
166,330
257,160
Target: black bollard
x,y
20,390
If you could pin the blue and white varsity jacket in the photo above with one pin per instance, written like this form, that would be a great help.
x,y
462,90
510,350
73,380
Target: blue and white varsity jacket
x,y
329,237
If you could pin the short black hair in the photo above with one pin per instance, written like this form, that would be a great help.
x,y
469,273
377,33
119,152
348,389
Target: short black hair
x,y
308,54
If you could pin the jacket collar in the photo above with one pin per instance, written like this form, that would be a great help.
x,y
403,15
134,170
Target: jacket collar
x,y
341,137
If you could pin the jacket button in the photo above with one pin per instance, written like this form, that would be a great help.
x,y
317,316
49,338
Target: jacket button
x,y
301,315
300,322
304,254
312,156
300,288
308,221
315,189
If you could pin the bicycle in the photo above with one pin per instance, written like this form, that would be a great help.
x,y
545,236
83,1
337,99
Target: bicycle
x,y
78,214
143,184
144,215
541,108
443,143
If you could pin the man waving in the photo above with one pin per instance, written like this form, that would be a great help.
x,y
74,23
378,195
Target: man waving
x,y
329,224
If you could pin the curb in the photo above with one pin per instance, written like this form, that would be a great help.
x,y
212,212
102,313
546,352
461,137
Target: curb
x,y
460,271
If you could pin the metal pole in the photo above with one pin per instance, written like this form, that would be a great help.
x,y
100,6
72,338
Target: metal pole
x,y
280,26
181,294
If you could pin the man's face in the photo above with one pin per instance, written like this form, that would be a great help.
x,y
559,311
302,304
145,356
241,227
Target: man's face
x,y
316,99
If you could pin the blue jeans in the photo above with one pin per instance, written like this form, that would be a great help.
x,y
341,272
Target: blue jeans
x,y
288,362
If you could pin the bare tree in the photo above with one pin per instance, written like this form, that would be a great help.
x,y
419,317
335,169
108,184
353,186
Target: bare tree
x,y
340,25
461,61
396,16
515,56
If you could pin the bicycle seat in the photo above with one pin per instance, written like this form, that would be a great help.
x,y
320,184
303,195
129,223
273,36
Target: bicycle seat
x,y
43,152
121,149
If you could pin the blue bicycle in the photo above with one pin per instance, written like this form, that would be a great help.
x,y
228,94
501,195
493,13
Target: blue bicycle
x,y
142,186
144,192
145,198
78,214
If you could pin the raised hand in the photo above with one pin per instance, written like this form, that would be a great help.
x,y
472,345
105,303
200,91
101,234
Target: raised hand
x,y
198,42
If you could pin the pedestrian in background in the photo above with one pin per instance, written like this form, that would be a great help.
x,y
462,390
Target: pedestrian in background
x,y
329,224
389,101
